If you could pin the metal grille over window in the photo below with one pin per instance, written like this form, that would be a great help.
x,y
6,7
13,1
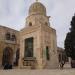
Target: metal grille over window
x,y
13,38
7,36
47,53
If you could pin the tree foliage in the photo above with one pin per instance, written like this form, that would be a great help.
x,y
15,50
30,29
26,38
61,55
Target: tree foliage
x,y
70,40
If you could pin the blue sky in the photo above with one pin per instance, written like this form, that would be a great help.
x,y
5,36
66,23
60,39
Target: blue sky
x,y
14,12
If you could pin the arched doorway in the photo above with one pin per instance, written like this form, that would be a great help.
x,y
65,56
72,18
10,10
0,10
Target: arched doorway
x,y
7,56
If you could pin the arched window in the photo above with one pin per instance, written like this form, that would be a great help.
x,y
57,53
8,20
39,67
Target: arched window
x,y
46,23
8,36
30,24
13,37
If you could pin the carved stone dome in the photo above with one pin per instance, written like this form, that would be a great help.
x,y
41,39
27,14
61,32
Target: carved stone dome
x,y
37,8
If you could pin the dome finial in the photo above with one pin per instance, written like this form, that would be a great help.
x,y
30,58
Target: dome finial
x,y
37,8
36,0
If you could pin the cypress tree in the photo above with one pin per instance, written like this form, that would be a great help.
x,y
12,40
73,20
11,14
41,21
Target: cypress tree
x,y
70,40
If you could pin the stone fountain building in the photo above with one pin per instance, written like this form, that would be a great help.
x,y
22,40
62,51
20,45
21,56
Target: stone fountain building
x,y
37,41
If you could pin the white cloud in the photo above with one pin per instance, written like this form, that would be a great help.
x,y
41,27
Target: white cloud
x,y
14,12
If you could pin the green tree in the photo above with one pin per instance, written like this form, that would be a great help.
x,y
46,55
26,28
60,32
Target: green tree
x,y
70,40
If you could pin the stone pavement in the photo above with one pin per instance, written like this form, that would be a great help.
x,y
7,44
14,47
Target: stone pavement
x,y
38,72
67,66
66,71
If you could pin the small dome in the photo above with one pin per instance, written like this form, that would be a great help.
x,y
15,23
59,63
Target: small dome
x,y
37,8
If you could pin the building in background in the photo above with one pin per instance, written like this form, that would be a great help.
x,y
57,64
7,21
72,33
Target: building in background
x,y
62,55
9,45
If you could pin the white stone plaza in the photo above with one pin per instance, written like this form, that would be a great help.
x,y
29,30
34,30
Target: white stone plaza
x,y
38,72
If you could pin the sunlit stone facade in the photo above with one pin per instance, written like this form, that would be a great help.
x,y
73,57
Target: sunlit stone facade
x,y
44,46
